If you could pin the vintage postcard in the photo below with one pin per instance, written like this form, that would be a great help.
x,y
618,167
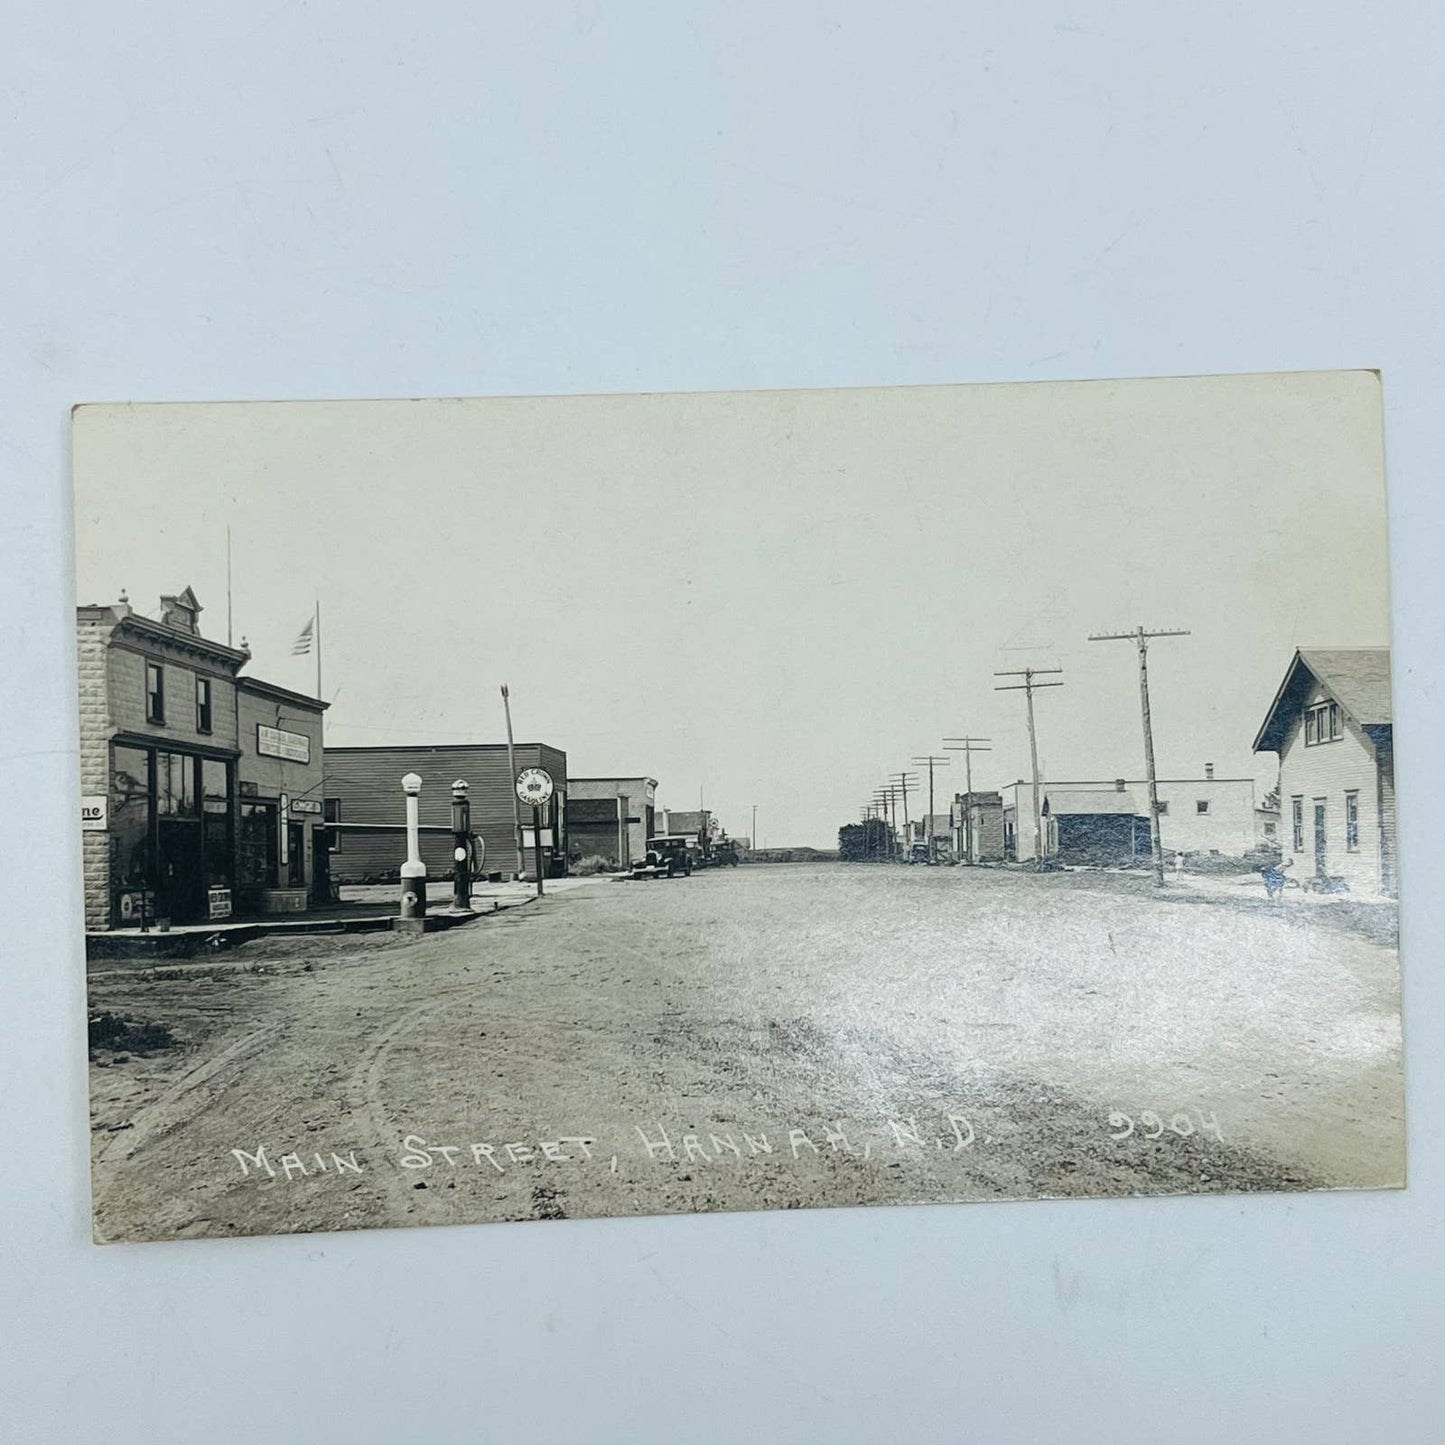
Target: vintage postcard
x,y
553,807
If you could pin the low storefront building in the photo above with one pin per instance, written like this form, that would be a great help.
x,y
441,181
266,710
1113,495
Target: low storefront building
x,y
281,845
366,808
610,818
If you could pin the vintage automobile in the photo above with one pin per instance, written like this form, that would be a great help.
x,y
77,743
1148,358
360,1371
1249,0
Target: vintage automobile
x,y
667,855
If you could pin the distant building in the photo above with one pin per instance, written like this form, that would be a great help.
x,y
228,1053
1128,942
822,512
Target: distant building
x,y
366,809
611,817
976,820
1266,821
1331,725
698,823
201,788
1196,815
1098,826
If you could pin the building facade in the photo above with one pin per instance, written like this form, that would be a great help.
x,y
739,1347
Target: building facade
x,y
696,823
611,818
168,751
282,845
976,820
1331,725
366,809
1196,815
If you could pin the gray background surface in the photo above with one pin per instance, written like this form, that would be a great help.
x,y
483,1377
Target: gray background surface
x,y
326,200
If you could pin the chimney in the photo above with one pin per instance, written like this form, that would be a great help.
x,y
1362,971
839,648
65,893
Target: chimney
x,y
1209,772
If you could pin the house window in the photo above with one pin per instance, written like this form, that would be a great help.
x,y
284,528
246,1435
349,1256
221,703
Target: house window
x,y
203,704
1270,829
155,693
1201,805
1297,823
1162,808
1323,723
1352,822
331,816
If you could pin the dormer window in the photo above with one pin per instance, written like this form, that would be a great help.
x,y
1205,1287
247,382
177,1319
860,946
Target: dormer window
x,y
1323,723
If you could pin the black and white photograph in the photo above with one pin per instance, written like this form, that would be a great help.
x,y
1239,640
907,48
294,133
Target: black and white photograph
x,y
536,808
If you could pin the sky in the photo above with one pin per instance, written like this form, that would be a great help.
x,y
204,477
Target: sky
x,y
769,598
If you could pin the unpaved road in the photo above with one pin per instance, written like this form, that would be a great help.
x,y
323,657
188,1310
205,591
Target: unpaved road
x,y
755,1037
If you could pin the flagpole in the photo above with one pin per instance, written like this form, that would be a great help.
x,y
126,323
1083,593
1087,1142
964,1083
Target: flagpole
x,y
228,584
318,648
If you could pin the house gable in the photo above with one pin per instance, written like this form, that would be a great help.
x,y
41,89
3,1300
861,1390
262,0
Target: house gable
x,y
1357,679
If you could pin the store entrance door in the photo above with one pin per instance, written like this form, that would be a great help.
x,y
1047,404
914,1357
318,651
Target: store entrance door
x,y
182,895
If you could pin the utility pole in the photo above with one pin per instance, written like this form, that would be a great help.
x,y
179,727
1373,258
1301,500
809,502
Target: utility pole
x,y
968,747
512,768
903,780
1028,687
1140,637
753,836
885,807
932,762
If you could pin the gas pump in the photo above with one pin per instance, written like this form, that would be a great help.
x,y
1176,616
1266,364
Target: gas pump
x,y
468,851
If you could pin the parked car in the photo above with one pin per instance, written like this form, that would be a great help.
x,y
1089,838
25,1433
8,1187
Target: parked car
x,y
667,856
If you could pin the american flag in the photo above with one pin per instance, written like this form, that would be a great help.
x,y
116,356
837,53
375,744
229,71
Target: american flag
x,y
304,639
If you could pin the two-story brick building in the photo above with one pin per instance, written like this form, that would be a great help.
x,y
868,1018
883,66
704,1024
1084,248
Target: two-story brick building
x,y
1331,724
173,744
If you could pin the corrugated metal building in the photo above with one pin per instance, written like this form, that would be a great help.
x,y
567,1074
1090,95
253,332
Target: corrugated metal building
x,y
366,808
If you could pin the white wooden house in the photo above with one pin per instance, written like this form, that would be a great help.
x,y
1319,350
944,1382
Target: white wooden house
x,y
1331,725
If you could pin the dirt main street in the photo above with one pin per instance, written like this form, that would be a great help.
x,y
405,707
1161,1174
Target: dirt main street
x,y
755,1037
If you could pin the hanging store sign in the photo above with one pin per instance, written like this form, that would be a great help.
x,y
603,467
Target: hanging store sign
x,y
94,813
278,743
305,805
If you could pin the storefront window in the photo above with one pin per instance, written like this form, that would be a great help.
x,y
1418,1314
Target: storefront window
x,y
216,819
130,790
176,785
257,848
